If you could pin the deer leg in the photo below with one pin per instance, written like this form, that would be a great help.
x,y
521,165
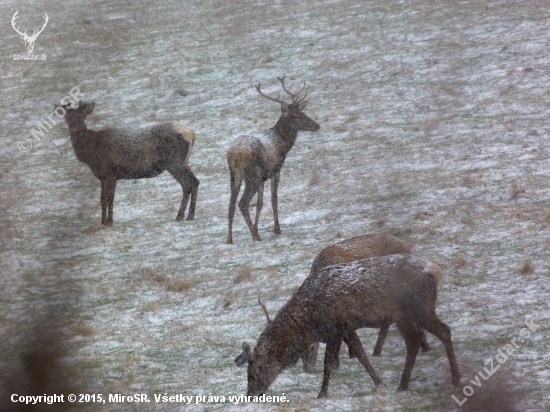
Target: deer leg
x,y
244,203
259,205
110,186
424,345
411,334
436,327
183,177
381,338
235,188
274,202
309,357
356,351
331,359
104,202
194,190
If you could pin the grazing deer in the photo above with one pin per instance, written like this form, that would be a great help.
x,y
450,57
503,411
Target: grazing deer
x,y
259,158
114,154
332,303
29,40
349,250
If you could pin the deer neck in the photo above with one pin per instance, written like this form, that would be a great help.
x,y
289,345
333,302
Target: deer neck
x,y
286,132
292,337
83,141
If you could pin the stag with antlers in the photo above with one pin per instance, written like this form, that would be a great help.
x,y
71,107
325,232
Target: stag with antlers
x,y
258,158
29,40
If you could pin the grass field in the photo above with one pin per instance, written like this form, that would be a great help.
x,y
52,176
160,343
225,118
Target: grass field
x,y
434,128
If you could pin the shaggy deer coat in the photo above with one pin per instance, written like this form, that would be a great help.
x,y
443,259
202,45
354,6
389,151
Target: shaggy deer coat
x,y
332,303
349,250
114,154
256,159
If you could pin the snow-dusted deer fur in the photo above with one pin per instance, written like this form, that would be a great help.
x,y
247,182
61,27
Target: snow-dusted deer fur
x,y
116,154
332,303
258,158
349,250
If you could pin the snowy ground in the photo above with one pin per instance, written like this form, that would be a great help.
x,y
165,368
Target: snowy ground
x,y
434,127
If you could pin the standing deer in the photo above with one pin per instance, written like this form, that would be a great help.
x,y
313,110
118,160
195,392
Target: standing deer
x,y
332,303
29,40
114,154
259,158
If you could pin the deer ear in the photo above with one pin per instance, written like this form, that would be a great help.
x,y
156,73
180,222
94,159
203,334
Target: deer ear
x,y
244,357
302,105
88,108
284,108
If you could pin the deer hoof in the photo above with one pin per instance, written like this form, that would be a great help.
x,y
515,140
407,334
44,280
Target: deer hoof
x,y
322,394
179,218
190,217
380,385
402,388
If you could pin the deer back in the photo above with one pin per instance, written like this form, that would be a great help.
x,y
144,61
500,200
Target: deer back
x,y
357,248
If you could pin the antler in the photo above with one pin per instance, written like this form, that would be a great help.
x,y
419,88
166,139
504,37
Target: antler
x,y
35,33
295,96
265,311
15,16
269,97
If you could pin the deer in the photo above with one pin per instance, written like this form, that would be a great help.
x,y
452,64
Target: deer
x,y
334,302
256,159
114,154
29,40
349,250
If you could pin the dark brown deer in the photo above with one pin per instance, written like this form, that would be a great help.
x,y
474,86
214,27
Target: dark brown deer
x,y
349,250
334,302
257,159
114,154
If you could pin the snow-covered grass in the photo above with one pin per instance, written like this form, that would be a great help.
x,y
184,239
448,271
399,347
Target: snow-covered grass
x,y
434,128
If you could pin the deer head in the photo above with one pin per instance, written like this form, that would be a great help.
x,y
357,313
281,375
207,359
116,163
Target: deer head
x,y
293,112
29,40
75,116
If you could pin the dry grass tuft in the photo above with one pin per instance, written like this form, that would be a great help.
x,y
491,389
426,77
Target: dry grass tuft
x,y
177,285
171,284
182,92
244,275
155,277
516,190
527,268
467,181
459,261
315,179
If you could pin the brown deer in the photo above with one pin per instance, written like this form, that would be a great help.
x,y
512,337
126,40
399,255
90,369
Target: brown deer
x,y
349,250
114,154
332,303
259,158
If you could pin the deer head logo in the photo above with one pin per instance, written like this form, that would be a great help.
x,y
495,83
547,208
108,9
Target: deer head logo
x,y
29,40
